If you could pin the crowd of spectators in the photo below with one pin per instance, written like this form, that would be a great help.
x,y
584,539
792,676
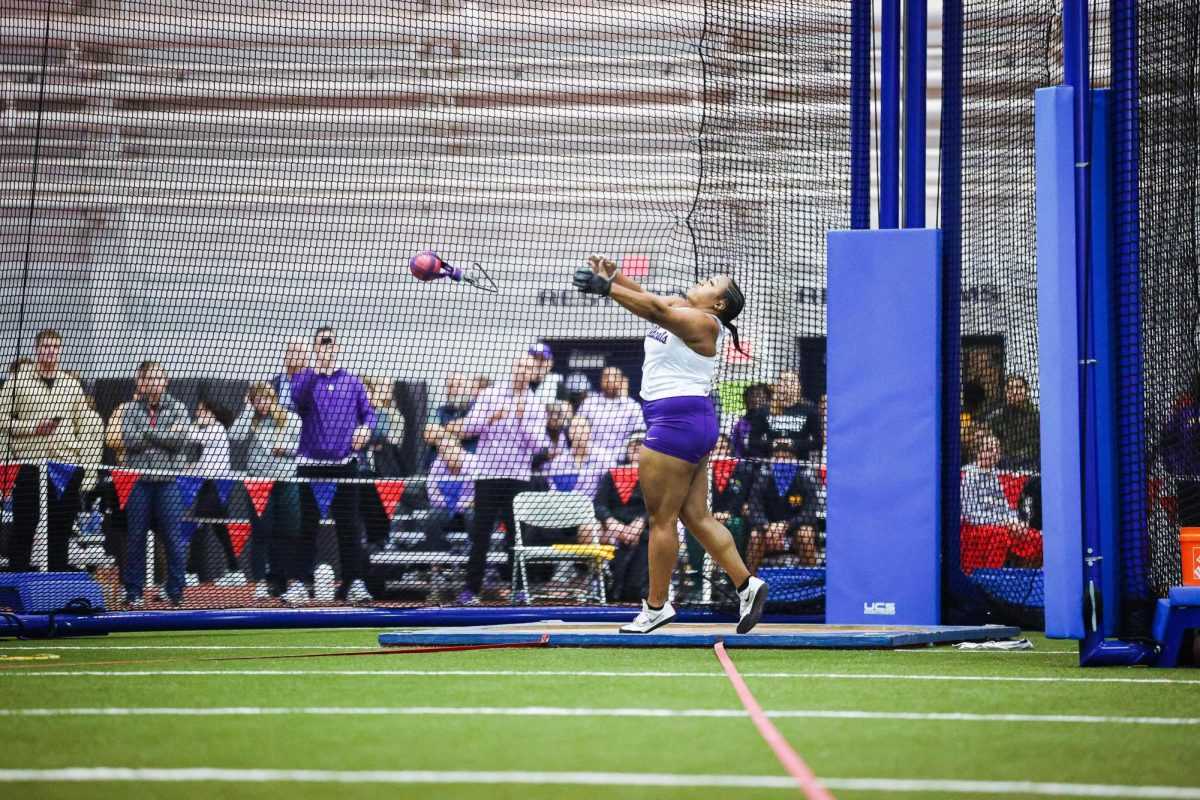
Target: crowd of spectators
x,y
322,434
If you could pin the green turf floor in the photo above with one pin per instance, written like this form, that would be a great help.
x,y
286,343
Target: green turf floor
x,y
1127,740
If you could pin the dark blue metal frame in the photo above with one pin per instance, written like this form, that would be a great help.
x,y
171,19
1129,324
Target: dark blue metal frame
x,y
1104,342
1093,649
1132,533
955,584
915,36
889,117
860,114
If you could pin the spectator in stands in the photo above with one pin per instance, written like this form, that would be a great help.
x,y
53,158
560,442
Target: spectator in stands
x,y
582,458
336,423
461,391
211,434
449,487
751,434
1181,451
613,413
115,520
382,453
295,359
46,417
823,412
783,518
545,385
90,443
1017,425
578,388
511,425
792,416
973,418
273,435
1001,537
157,435
558,415
622,520
381,456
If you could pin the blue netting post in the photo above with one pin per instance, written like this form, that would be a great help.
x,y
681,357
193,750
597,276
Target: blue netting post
x,y
1093,649
914,113
956,585
860,114
1133,530
889,117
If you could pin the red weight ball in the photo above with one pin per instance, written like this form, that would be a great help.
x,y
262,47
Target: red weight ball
x,y
426,266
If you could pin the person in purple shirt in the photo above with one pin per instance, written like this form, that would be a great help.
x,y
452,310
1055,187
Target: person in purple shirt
x,y
511,425
613,413
336,422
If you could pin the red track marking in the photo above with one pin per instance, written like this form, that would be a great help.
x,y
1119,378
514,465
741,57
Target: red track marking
x,y
791,760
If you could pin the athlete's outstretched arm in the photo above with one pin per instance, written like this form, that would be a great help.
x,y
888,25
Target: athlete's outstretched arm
x,y
696,328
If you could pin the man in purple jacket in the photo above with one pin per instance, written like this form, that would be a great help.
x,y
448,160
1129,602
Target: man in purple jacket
x,y
337,420
510,422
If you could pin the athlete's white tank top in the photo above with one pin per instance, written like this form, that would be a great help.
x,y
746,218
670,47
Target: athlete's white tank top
x,y
672,369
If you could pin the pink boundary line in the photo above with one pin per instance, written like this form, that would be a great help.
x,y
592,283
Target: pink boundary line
x,y
791,760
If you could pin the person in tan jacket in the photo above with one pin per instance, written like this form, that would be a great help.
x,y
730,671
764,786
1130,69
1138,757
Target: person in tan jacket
x,y
44,416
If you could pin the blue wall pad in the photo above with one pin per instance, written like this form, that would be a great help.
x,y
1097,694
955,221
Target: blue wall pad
x,y
41,592
280,618
1173,617
883,508
1058,353
574,634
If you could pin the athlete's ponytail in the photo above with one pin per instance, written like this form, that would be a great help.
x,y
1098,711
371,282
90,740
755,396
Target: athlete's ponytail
x,y
735,301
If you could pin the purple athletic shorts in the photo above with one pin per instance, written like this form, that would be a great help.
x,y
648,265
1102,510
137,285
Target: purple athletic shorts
x,y
683,427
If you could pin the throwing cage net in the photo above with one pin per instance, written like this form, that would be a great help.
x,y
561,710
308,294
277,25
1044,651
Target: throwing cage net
x,y
1154,46
213,210
1007,51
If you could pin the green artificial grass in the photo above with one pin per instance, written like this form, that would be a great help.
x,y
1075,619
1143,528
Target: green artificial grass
x,y
1107,751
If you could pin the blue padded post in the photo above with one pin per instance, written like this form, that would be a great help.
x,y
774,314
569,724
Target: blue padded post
x,y
1104,325
883,507
1058,354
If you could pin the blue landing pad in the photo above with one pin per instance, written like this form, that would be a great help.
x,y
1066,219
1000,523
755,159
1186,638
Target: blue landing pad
x,y
605,634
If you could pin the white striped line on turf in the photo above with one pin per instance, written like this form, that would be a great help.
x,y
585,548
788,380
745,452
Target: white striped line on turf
x,y
208,774
557,711
503,673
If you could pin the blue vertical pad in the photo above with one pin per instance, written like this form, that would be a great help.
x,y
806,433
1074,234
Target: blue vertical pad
x,y
884,385
1058,355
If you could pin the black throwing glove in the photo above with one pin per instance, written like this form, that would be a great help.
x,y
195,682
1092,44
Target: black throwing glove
x,y
590,282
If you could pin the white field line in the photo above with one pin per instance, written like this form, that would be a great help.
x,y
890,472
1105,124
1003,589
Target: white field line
x,y
558,711
401,777
502,673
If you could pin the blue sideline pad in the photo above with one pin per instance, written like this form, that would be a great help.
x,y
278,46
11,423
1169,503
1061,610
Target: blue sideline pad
x,y
605,634
42,592
1177,614
1014,585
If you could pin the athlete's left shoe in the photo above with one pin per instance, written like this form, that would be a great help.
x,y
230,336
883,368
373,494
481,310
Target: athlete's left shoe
x,y
649,619
753,598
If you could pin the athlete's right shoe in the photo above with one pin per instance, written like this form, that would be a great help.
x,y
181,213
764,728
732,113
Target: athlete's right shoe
x,y
649,619
753,598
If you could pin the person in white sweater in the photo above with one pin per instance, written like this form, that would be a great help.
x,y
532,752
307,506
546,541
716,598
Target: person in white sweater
x,y
211,433
273,436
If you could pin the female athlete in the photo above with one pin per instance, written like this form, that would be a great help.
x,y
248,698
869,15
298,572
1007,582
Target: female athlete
x,y
681,428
